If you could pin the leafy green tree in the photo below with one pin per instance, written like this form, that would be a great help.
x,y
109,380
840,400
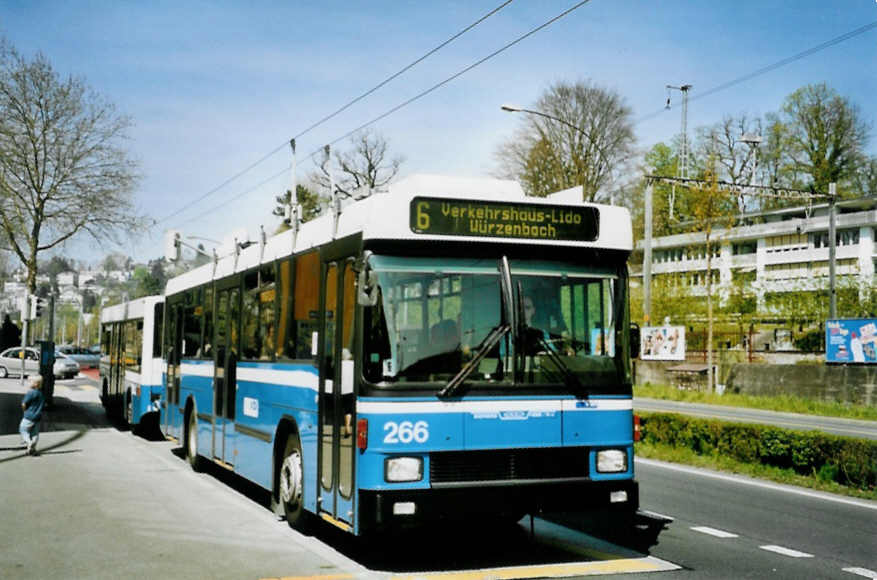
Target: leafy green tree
x,y
311,205
826,136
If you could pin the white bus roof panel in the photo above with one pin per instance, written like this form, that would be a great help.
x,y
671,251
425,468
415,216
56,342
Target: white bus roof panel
x,y
386,216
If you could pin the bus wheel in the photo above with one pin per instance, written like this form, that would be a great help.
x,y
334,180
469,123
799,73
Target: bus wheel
x,y
192,443
292,485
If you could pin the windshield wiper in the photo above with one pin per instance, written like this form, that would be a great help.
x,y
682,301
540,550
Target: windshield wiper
x,y
569,378
486,345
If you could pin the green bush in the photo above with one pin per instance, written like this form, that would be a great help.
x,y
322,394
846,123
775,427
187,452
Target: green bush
x,y
813,341
845,460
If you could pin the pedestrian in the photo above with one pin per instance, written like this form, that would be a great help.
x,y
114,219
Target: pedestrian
x,y
32,405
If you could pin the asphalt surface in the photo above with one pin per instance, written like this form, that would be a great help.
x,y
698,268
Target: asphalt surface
x,y
99,502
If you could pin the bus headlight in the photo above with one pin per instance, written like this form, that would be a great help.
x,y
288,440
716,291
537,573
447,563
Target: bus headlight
x,y
403,469
611,461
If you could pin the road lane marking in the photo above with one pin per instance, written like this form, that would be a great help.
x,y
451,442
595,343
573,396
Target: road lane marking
x,y
714,532
786,551
626,566
872,505
861,572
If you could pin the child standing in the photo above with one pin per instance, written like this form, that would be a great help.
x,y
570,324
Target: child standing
x,y
32,405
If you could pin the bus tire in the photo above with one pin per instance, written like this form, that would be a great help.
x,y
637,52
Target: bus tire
x,y
191,442
291,485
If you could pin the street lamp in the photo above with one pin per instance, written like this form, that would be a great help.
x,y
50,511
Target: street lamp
x,y
516,109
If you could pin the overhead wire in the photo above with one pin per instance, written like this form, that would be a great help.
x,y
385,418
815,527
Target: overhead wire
x,y
767,69
431,89
336,113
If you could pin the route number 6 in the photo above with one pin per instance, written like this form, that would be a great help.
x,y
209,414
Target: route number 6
x,y
406,432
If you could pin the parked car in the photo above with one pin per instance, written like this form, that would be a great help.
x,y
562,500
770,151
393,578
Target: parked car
x,y
65,367
86,357
10,363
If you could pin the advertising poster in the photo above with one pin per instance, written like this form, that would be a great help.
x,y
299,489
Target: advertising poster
x,y
852,340
663,343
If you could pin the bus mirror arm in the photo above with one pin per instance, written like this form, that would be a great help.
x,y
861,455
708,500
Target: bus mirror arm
x,y
634,340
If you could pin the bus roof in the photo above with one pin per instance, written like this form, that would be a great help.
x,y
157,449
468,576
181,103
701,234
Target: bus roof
x,y
388,215
129,310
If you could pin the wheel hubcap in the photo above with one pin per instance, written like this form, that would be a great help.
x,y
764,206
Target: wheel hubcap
x,y
290,479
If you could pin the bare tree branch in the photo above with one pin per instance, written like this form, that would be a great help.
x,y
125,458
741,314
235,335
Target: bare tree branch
x,y
63,167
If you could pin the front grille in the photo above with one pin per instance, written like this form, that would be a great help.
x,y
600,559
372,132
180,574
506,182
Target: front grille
x,y
508,465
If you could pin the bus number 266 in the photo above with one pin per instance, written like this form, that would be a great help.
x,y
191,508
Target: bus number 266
x,y
406,432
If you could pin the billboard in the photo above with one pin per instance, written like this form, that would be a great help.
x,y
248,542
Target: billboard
x,y
851,340
662,343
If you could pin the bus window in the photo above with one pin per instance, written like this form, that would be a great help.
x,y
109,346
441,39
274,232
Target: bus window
x,y
157,326
306,304
285,339
193,314
258,315
207,349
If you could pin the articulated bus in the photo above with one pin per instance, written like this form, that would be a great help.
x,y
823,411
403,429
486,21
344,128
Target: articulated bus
x,y
448,347
131,364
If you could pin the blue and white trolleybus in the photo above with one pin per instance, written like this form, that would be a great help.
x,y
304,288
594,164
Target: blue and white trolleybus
x,y
131,364
447,347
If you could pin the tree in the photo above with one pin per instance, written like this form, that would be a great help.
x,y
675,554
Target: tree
x,y
310,204
826,135
366,166
735,158
585,135
63,168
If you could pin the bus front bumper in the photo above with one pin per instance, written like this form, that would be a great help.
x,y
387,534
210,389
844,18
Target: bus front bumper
x,y
389,509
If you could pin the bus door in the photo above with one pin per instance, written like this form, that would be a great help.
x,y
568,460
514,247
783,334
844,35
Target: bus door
x,y
225,373
173,345
117,376
337,402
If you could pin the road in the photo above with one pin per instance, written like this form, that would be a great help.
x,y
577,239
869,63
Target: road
x,y
845,427
100,502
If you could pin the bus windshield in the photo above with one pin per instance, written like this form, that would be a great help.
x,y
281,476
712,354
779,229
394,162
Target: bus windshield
x,y
433,315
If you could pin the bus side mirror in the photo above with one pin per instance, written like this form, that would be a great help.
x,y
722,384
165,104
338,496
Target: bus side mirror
x,y
634,340
367,285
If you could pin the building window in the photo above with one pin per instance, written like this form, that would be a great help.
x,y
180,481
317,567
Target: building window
x,y
743,248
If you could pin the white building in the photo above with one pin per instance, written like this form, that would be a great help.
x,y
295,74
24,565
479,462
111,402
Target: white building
x,y
775,251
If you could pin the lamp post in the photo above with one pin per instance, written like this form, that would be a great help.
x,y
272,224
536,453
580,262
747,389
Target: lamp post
x,y
516,109
647,257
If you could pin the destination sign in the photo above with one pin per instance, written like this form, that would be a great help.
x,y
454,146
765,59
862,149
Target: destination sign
x,y
496,219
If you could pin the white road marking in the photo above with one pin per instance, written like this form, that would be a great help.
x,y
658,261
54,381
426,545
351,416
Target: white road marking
x,y
861,572
757,483
786,551
714,532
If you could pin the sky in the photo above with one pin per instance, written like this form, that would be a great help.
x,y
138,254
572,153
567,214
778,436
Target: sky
x,y
217,89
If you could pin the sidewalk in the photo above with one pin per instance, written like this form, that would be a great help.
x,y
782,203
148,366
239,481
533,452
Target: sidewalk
x,y
76,409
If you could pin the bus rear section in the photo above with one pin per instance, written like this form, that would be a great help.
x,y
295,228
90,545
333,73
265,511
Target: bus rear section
x,y
131,363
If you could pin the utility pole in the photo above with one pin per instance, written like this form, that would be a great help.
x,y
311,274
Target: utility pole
x,y
682,169
647,258
832,251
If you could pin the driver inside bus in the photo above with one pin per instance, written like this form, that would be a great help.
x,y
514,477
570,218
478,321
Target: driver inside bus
x,y
536,338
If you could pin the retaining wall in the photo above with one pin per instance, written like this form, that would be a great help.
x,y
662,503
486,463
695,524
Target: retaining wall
x,y
855,384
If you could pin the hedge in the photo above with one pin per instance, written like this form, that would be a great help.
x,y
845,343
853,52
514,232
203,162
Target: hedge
x,y
845,460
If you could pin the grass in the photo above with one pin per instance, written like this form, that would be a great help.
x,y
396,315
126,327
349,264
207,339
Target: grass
x,y
722,463
782,403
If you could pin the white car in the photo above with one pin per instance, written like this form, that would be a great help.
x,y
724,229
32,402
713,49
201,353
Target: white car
x,y
10,363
